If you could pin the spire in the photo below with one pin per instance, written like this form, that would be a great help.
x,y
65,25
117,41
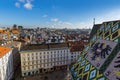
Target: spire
x,y
94,21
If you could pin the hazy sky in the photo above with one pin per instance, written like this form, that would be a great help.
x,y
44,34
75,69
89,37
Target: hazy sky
x,y
58,13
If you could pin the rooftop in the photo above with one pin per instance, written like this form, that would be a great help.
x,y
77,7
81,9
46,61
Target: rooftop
x,y
45,46
3,51
15,31
12,44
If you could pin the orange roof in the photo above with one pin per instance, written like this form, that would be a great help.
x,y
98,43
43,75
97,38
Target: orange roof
x,y
4,50
1,38
3,32
15,31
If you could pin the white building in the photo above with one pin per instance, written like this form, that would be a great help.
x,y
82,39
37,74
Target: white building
x,y
6,63
74,56
36,59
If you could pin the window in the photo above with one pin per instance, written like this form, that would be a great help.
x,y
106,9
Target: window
x,y
36,53
116,40
106,34
40,61
101,28
94,38
107,27
24,63
54,55
28,58
28,67
24,68
36,57
32,62
100,37
115,28
115,35
28,63
24,74
108,38
32,67
47,56
100,33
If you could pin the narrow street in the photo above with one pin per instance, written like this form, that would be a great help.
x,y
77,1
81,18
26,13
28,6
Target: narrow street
x,y
57,75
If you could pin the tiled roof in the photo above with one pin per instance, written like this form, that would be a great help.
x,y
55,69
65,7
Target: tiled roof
x,y
15,31
3,32
3,51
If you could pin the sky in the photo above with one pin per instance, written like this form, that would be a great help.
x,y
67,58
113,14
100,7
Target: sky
x,y
58,13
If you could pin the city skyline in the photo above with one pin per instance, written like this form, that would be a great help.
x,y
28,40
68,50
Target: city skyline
x,y
57,13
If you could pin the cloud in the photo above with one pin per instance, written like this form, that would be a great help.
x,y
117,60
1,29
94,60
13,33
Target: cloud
x,y
54,19
29,0
28,6
62,24
26,3
22,1
67,23
84,25
44,16
17,5
108,16
113,14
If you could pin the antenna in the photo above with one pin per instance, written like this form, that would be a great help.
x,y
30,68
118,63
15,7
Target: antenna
x,y
94,21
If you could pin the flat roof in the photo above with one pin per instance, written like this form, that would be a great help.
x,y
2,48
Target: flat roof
x,y
45,46
29,51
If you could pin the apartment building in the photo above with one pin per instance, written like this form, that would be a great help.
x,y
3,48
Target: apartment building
x,y
37,58
15,46
6,63
74,56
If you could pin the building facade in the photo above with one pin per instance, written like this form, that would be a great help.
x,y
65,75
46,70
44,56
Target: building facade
x,y
45,58
6,63
74,56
